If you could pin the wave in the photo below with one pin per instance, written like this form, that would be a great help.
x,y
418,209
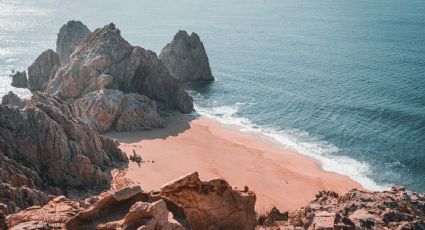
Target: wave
x,y
299,141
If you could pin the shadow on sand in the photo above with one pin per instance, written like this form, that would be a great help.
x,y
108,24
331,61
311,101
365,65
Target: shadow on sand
x,y
177,123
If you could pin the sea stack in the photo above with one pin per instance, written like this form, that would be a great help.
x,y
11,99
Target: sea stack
x,y
19,79
70,35
186,59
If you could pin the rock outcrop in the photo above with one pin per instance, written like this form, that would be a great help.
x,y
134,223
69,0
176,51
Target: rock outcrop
x,y
19,80
105,60
112,109
212,204
186,59
129,208
70,35
394,209
12,99
42,70
18,186
49,140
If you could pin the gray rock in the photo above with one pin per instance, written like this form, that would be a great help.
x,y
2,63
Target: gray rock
x,y
52,141
42,70
70,35
186,59
105,60
19,79
12,99
112,109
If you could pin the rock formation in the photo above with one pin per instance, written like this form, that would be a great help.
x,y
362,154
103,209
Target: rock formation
x,y
46,147
70,35
12,99
186,59
42,70
112,109
129,208
105,60
19,79
394,209
212,204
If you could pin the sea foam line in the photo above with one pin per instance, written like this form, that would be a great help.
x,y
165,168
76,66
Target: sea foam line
x,y
298,141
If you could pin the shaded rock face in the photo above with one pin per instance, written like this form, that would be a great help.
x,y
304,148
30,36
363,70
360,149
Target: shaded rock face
x,y
19,80
42,70
105,60
212,204
70,35
12,99
18,186
186,59
46,137
112,109
394,209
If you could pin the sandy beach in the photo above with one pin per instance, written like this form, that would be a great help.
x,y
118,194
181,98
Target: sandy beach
x,y
279,177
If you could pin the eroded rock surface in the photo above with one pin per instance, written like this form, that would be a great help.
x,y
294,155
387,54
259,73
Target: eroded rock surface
x,y
70,35
19,79
110,109
46,147
394,209
212,204
186,59
12,99
105,60
42,70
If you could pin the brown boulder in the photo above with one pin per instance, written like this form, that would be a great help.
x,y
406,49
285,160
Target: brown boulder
x,y
42,70
212,204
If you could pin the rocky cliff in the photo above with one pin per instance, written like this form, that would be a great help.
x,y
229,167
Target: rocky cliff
x,y
45,147
105,60
19,79
186,59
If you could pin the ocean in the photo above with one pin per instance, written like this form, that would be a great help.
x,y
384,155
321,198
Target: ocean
x,y
340,81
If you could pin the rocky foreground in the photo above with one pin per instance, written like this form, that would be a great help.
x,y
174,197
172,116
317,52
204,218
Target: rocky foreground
x,y
54,162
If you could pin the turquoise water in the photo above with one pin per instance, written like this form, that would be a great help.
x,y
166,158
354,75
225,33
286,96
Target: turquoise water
x,y
342,81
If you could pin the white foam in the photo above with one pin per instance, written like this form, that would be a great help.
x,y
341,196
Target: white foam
x,y
298,141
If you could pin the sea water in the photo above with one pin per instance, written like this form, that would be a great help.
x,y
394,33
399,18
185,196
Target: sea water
x,y
341,81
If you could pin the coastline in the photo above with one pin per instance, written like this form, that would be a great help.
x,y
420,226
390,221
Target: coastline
x,y
279,177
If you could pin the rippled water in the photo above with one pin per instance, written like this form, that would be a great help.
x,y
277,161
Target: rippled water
x,y
341,81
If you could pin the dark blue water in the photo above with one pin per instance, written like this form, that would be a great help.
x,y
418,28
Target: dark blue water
x,y
342,81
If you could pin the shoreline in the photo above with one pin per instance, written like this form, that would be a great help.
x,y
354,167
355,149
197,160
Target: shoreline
x,y
279,177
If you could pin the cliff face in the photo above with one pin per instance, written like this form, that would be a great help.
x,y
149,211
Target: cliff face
x,y
45,147
186,59
42,70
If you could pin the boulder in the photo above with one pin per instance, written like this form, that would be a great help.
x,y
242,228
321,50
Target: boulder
x,y
131,208
70,35
42,70
186,59
212,204
19,80
105,60
12,99
110,109
48,138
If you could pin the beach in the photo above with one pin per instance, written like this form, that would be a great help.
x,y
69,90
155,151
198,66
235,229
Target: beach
x,y
279,177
